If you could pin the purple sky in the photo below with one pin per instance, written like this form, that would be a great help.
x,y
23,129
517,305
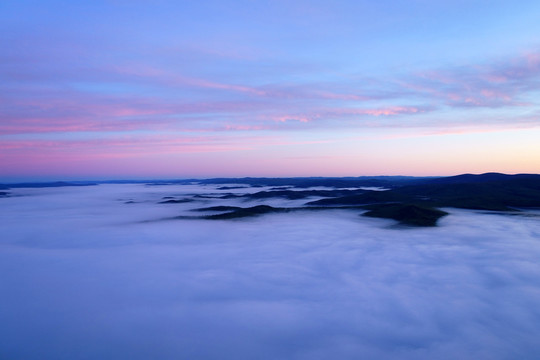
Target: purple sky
x,y
129,89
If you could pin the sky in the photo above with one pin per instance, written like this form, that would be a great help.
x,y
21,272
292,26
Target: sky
x,y
172,89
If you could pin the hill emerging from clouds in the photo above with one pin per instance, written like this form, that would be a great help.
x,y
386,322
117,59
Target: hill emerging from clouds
x,y
413,201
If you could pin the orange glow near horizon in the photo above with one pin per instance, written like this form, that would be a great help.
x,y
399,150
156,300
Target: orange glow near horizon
x,y
378,154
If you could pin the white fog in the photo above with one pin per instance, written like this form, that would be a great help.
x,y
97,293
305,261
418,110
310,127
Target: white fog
x,y
105,272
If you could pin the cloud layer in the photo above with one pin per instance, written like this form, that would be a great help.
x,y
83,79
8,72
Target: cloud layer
x,y
90,278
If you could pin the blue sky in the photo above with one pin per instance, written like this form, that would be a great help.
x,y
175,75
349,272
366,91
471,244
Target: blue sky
x,y
268,88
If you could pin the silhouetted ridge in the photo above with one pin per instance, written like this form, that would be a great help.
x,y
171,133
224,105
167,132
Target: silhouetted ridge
x,y
245,212
490,191
408,214
175,201
300,194
218,208
48,184
305,182
485,178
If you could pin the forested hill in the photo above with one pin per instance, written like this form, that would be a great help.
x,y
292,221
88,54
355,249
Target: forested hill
x,y
490,191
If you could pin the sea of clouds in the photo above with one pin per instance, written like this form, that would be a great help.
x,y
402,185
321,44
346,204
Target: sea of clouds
x,y
105,272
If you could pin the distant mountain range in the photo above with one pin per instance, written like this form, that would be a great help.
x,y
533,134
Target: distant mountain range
x,y
299,182
303,182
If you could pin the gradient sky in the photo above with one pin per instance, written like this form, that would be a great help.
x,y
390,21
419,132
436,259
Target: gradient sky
x,y
140,89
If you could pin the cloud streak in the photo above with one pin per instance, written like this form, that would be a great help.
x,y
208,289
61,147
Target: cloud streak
x,y
491,85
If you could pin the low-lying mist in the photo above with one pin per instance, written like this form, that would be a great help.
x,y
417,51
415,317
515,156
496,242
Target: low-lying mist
x,y
105,272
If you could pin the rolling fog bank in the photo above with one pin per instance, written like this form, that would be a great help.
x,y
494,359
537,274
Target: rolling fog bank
x,y
107,272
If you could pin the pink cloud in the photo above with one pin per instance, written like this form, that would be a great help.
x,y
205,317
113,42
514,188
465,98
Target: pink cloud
x,y
393,110
276,91
37,150
340,96
275,107
494,94
322,116
76,113
164,77
245,127
286,118
488,85
376,112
